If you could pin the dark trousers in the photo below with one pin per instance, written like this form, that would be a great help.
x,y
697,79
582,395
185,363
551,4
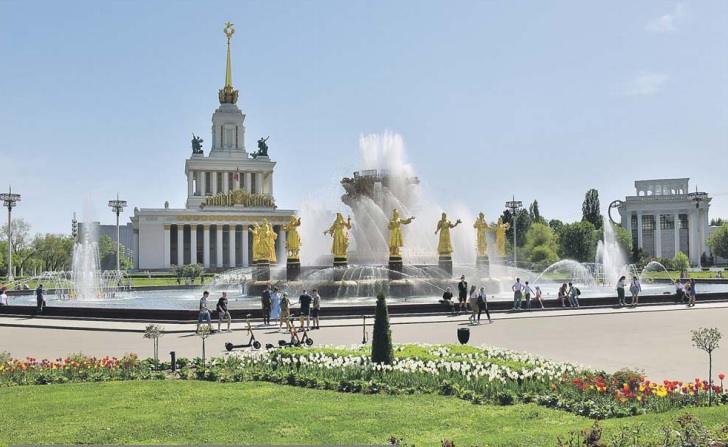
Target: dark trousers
x,y
266,315
481,309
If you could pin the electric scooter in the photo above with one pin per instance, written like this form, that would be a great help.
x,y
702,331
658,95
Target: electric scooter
x,y
296,340
252,342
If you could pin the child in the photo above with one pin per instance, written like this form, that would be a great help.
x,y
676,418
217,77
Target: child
x,y
538,296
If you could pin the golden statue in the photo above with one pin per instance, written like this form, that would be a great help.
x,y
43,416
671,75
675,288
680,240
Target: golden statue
x,y
267,242
444,247
481,226
341,236
255,229
293,239
395,233
500,237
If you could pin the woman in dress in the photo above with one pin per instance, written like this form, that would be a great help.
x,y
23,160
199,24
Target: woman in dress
x,y
635,288
692,293
562,294
473,304
275,307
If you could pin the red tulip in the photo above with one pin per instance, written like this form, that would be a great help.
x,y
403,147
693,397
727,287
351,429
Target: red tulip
x,y
721,376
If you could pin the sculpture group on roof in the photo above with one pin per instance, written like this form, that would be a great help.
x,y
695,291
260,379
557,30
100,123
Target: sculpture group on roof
x,y
239,197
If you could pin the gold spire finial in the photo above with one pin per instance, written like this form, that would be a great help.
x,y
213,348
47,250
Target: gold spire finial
x,y
227,95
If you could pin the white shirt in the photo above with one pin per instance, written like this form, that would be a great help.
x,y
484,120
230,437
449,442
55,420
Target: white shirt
x,y
528,290
678,286
3,299
517,286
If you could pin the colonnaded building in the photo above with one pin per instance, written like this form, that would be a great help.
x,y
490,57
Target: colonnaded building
x,y
228,190
664,217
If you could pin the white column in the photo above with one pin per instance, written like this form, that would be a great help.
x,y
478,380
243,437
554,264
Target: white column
x,y
677,233
206,246
639,229
231,245
258,182
658,236
236,181
247,181
219,256
193,244
214,182
167,245
180,244
225,186
269,186
244,246
203,184
190,183
135,237
282,252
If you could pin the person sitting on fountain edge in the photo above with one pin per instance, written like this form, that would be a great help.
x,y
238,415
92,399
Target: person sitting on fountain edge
x,y
447,299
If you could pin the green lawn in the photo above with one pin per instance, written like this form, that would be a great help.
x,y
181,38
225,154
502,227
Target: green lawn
x,y
194,412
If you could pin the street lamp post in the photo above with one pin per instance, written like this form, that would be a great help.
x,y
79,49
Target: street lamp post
x,y
9,200
699,197
514,205
117,206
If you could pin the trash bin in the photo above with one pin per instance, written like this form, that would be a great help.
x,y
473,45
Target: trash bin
x,y
463,335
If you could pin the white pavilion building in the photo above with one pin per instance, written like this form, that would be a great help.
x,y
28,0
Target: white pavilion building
x,y
664,218
228,190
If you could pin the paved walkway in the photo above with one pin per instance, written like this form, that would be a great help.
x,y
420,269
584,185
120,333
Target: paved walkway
x,y
655,338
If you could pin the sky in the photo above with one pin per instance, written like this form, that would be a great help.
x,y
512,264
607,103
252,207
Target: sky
x,y
493,99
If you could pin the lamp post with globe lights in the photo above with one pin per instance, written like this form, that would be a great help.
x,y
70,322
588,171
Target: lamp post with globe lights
x,y
9,200
514,205
117,206
698,198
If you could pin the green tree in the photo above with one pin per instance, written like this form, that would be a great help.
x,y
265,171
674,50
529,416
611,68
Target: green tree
x,y
107,255
535,214
53,251
718,222
624,239
21,243
556,225
541,246
718,241
192,271
680,261
578,241
590,210
382,334
523,220
708,340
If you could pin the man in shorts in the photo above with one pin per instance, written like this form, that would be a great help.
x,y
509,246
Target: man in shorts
x,y
316,308
204,311
222,311
462,293
305,301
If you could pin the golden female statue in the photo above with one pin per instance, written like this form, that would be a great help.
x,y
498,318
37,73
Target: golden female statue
x,y
293,239
341,236
267,242
255,229
500,237
395,233
444,247
481,226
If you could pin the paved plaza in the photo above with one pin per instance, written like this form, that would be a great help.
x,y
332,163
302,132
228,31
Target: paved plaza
x,y
654,338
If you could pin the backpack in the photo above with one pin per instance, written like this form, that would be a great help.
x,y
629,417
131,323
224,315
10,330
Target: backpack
x,y
578,292
481,301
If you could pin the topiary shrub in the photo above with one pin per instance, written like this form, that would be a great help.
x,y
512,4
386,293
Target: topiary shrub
x,y
382,334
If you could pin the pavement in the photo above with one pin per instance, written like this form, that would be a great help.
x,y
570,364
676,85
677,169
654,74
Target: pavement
x,y
653,338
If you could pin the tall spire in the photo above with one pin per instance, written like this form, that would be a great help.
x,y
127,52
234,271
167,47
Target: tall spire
x,y
228,95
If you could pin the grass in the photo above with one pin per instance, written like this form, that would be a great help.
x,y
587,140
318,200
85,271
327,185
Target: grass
x,y
193,412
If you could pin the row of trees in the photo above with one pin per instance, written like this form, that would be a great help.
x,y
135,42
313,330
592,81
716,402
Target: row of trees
x,y
37,253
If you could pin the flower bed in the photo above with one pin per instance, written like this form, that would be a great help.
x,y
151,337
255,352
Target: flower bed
x,y
481,375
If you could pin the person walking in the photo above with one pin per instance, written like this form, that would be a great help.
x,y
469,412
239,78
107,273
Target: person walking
x,y
635,288
222,312
517,294
316,308
275,306
483,305
285,305
620,290
473,302
266,301
692,294
305,301
3,296
574,295
539,297
462,293
40,298
562,294
204,311
679,292
528,291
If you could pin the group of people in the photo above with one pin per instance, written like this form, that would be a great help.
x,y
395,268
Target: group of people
x,y
476,299
524,291
223,314
277,306
685,292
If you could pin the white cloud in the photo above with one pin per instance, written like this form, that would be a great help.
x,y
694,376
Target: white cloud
x,y
645,83
667,22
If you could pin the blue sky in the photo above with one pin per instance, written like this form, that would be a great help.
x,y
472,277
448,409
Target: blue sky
x,y
541,100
